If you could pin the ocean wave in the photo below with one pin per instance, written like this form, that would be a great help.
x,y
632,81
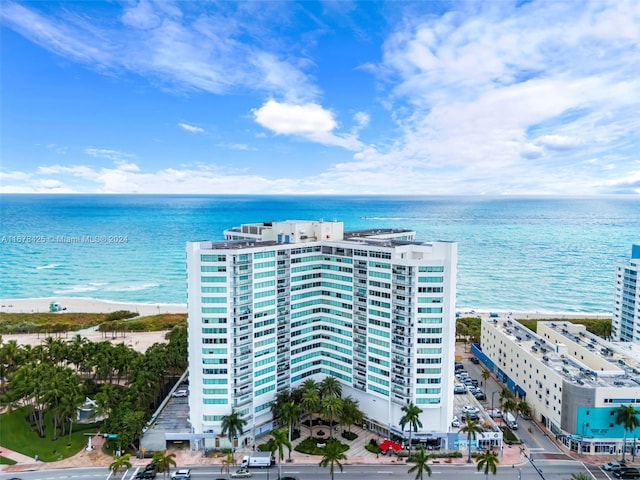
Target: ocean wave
x,y
49,266
132,288
76,289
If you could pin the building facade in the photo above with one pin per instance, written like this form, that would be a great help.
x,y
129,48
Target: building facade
x,y
573,380
625,326
276,303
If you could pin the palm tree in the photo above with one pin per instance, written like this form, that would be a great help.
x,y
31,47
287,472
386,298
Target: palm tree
x,y
351,413
627,416
507,400
330,387
279,440
421,459
164,461
523,408
310,400
233,426
471,427
331,456
489,461
581,476
486,375
226,464
119,462
290,414
331,410
412,417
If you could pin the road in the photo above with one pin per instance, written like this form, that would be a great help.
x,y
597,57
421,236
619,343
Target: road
x,y
551,470
535,439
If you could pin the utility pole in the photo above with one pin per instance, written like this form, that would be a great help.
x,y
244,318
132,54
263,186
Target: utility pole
x,y
532,464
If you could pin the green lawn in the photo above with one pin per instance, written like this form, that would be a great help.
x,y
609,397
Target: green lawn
x,y
17,435
6,461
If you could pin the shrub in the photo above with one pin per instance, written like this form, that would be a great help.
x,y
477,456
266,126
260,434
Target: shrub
x,y
349,435
373,447
310,446
120,315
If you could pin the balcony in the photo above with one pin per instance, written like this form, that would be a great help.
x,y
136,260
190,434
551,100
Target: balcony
x,y
242,341
239,362
402,280
244,400
242,382
360,339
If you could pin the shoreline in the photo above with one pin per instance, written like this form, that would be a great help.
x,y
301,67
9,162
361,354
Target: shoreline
x,y
86,305
95,305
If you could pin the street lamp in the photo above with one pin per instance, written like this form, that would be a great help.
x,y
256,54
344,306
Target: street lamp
x,y
493,394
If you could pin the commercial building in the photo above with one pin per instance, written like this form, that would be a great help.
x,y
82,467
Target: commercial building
x,y
276,303
625,326
573,380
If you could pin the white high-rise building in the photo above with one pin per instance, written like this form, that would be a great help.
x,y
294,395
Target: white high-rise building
x,y
276,303
625,326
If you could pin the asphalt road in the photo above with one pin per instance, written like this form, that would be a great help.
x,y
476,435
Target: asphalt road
x,y
551,470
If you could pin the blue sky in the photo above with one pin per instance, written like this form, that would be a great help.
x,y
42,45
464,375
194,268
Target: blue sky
x,y
464,97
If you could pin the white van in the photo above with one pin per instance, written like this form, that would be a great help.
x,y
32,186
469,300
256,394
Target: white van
x,y
510,420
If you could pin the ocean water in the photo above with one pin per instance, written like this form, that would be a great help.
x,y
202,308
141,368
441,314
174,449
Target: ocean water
x,y
515,254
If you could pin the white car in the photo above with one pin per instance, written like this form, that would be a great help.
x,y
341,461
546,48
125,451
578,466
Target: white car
x,y
182,474
455,423
494,413
241,473
180,393
470,409
611,466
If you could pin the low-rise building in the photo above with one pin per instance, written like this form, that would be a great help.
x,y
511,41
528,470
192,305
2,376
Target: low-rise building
x,y
573,380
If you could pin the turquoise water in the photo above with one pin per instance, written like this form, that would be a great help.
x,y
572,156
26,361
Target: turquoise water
x,y
520,254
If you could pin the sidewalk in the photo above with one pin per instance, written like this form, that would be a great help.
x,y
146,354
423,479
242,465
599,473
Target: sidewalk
x,y
356,455
17,457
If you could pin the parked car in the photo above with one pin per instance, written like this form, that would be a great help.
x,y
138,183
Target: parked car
x,y
145,475
613,465
455,423
471,415
494,413
470,409
479,394
626,473
180,393
474,382
459,388
475,360
241,473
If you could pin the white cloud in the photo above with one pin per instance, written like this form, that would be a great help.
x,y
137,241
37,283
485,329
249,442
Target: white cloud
x,y
191,128
212,52
284,118
310,121
513,99
140,15
558,142
107,153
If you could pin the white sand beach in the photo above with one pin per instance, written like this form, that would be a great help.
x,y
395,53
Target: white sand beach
x,y
87,305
